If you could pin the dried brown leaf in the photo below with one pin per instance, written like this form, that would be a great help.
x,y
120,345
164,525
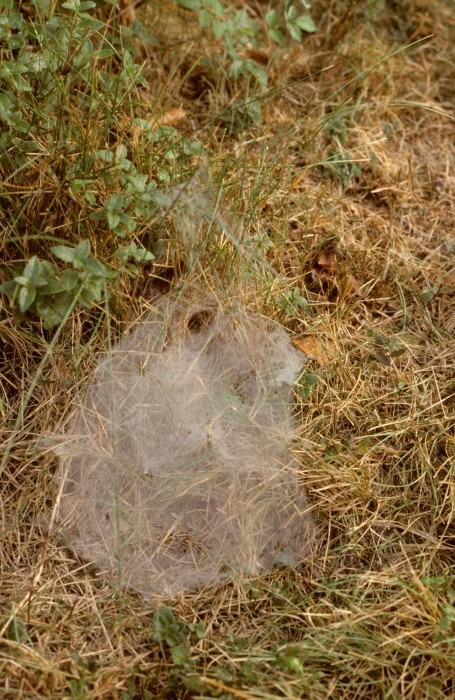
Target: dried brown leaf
x,y
313,348
173,117
328,261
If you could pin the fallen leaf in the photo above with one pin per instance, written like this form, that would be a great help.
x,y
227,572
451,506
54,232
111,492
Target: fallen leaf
x,y
328,261
297,180
380,357
313,348
172,117
261,56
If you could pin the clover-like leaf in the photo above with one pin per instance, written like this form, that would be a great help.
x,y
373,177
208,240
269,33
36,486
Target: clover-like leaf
x,y
27,296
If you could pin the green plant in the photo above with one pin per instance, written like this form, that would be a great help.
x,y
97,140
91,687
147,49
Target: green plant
x,y
68,105
172,631
305,383
82,676
235,29
291,22
292,300
385,349
238,30
443,588
177,635
49,292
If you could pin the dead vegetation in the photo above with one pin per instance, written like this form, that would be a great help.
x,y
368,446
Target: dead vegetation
x,y
347,187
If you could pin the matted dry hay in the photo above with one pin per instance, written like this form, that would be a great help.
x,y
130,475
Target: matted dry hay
x,y
175,472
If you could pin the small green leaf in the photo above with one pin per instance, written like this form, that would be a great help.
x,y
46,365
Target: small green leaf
x,y
99,215
69,279
291,13
90,198
8,288
365,444
305,383
167,628
216,7
131,269
306,23
181,655
128,221
311,379
24,281
137,182
31,270
204,19
198,629
82,249
138,254
113,219
272,19
92,292
190,4
294,30
54,312
27,296
105,53
63,252
218,29
95,267
277,36
115,203
105,156
53,286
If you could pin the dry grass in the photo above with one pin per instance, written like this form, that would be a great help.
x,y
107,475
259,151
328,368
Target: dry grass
x,y
369,239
